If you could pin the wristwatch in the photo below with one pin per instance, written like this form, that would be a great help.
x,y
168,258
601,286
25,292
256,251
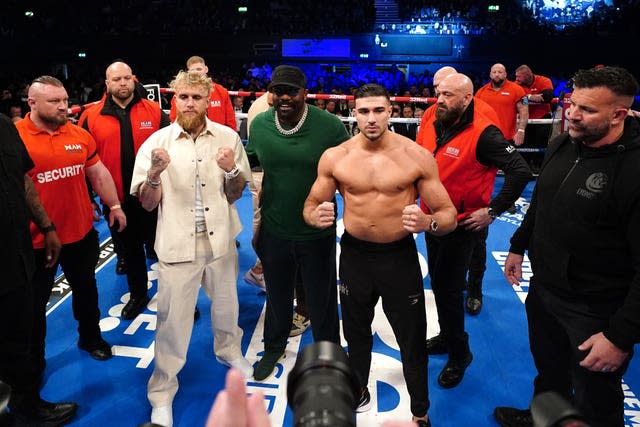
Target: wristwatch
x,y
493,214
48,228
434,225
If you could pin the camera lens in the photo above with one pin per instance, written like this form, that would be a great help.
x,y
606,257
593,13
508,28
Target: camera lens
x,y
321,388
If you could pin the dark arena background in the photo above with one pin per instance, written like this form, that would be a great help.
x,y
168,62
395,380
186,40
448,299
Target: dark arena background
x,y
340,46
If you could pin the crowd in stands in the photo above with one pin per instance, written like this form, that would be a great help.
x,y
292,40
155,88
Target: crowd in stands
x,y
512,17
87,84
169,18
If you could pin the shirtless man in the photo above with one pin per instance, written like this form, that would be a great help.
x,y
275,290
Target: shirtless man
x,y
380,174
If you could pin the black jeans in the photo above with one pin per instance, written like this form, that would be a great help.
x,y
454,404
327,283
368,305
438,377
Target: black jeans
x,y
557,326
316,262
449,258
16,365
391,271
78,261
141,225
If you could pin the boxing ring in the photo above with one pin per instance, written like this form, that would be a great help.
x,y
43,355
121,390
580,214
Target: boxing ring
x,y
114,392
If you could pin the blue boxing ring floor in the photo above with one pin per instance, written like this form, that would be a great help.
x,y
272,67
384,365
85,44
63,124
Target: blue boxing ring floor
x,y
113,393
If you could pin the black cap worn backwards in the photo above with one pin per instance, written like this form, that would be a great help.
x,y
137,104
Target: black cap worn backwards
x,y
288,75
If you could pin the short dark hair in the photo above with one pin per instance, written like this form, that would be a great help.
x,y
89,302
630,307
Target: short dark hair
x,y
618,80
371,89
48,80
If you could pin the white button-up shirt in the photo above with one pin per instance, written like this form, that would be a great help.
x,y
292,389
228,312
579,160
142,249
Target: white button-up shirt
x,y
175,233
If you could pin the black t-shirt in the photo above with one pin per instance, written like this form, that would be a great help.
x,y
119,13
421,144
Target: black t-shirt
x,y
16,251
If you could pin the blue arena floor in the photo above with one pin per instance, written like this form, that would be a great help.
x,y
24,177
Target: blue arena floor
x,y
113,393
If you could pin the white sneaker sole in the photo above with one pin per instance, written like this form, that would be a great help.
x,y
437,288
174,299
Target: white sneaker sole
x,y
241,365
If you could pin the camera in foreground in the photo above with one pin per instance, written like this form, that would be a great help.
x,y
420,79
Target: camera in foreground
x,y
321,388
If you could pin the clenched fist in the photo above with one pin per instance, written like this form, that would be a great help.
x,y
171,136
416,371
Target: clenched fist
x,y
324,215
159,161
413,219
225,158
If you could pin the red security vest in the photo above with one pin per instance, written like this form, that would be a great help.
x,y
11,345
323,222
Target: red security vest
x,y
145,120
468,182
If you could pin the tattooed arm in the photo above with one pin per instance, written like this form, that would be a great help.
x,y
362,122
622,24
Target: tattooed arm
x,y
234,182
233,187
151,190
52,245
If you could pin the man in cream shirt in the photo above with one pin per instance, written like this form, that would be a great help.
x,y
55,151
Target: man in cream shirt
x,y
194,171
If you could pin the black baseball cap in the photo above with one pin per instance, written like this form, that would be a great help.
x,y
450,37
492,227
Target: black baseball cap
x,y
288,75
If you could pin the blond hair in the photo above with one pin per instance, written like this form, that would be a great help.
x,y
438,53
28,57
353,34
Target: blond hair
x,y
192,79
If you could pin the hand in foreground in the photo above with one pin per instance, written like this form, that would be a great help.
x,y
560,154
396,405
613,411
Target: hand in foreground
x,y
603,356
232,407
513,268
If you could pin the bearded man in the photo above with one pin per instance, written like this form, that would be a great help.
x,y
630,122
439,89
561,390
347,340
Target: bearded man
x,y
120,123
509,101
469,149
193,171
581,233
65,157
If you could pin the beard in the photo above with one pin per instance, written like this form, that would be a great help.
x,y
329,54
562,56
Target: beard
x,y
122,95
448,115
497,82
588,135
190,122
289,112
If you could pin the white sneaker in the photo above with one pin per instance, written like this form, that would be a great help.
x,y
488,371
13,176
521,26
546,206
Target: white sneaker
x,y
299,324
162,415
255,279
241,364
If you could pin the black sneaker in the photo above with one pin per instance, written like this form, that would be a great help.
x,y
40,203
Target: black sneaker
x,y
453,372
364,403
437,345
513,417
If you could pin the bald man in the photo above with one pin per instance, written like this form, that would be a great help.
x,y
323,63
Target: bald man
x,y
478,265
509,101
469,149
439,75
429,114
120,123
